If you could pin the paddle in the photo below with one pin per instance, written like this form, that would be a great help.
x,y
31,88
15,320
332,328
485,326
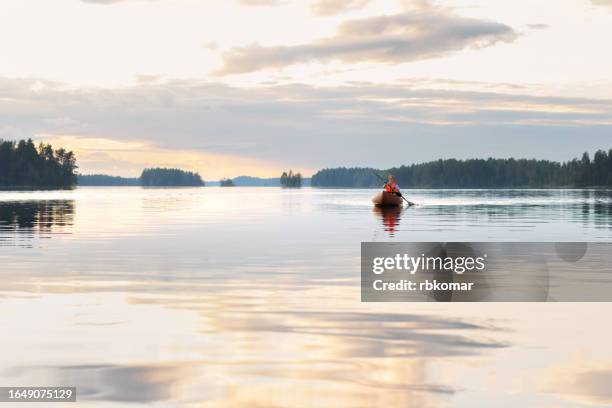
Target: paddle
x,y
396,193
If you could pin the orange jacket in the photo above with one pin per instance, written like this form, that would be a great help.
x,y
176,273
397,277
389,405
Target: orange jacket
x,y
391,188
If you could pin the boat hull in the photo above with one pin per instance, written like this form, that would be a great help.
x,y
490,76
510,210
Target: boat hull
x,y
385,199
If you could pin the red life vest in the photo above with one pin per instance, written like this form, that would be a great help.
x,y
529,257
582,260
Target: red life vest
x,y
390,188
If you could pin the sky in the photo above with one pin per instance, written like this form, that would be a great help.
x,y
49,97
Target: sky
x,y
255,87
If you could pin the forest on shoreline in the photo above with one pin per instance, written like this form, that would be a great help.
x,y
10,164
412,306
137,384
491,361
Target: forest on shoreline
x,y
22,164
161,177
480,173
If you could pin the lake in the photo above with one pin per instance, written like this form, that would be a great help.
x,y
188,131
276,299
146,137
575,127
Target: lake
x,y
205,297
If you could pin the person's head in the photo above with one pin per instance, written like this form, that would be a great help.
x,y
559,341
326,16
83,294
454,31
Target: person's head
x,y
391,179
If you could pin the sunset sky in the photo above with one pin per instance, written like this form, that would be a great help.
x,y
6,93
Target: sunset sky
x,y
258,86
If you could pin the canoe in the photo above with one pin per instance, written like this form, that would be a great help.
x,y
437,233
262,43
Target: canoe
x,y
384,199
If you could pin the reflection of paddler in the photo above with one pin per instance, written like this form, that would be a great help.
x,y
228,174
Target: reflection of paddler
x,y
390,217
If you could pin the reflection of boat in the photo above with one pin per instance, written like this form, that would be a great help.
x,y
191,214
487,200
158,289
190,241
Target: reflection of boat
x,y
385,199
390,216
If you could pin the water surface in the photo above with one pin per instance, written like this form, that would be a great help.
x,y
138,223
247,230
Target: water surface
x,y
250,297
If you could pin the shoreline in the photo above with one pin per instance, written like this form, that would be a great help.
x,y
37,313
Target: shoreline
x,y
38,188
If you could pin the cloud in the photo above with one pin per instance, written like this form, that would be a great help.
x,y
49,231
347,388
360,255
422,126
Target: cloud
x,y
308,127
330,7
410,36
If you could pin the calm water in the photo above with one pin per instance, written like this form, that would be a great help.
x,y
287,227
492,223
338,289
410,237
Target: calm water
x,y
250,297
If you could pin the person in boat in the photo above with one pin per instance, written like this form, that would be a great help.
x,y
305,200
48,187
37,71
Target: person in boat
x,y
391,186
389,189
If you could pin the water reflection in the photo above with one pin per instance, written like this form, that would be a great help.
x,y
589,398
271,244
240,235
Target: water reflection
x,y
390,217
113,383
563,214
139,383
174,295
20,221
256,356
36,215
582,380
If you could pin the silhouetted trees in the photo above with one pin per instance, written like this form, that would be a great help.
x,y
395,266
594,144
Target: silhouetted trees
x,y
291,180
105,180
481,173
169,177
226,182
24,165
360,177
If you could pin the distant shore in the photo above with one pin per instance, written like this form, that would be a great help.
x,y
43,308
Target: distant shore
x,y
103,180
38,188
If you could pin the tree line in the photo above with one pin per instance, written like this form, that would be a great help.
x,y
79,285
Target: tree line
x,y
226,182
149,178
291,180
22,164
106,180
481,173
170,177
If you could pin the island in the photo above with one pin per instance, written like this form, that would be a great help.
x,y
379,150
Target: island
x,y
291,180
226,182
162,177
23,165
